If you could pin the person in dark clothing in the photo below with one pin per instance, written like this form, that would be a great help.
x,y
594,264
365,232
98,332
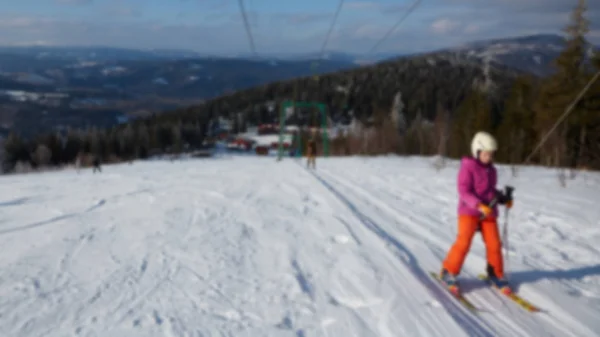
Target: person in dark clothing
x,y
311,153
96,164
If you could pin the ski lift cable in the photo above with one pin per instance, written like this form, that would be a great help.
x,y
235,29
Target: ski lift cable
x,y
333,22
568,111
247,27
408,12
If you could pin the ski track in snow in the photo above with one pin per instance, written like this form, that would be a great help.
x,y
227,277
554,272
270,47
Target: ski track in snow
x,y
252,247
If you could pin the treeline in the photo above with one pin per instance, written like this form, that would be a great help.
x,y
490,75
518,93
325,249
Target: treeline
x,y
136,140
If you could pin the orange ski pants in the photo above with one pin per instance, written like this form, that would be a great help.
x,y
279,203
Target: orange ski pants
x,y
467,227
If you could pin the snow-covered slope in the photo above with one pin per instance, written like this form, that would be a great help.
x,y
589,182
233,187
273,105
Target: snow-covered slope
x,y
252,247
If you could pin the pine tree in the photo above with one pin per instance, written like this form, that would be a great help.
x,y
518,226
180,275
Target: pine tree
x,y
473,115
591,157
143,144
415,136
516,130
72,147
560,90
177,138
15,150
572,59
127,141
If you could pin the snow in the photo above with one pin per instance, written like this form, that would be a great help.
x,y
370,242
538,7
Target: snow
x,y
248,246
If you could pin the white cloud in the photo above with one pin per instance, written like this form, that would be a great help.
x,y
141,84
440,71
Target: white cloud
x,y
472,28
444,26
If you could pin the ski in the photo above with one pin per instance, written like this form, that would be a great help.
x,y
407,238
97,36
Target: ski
x,y
459,297
523,303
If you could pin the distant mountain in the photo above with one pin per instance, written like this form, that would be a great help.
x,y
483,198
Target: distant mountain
x,y
98,54
104,54
333,56
184,78
533,54
167,73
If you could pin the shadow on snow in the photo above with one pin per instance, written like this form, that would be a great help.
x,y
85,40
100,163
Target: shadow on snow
x,y
531,276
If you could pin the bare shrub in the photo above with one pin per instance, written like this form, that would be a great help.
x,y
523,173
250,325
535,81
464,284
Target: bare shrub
x,y
42,155
439,163
562,178
573,174
23,167
113,159
86,159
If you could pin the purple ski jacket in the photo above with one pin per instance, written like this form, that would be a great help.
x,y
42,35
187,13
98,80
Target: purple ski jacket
x,y
476,185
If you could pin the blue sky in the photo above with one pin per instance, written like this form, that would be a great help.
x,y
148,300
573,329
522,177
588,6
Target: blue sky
x,y
282,26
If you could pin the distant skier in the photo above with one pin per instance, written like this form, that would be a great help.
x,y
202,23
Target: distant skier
x,y
96,163
477,179
311,153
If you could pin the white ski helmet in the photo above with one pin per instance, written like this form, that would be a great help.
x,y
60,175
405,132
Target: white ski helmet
x,y
483,141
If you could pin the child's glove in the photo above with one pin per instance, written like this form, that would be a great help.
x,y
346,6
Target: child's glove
x,y
505,200
485,210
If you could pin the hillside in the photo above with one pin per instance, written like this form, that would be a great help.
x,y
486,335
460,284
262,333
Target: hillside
x,y
188,79
269,249
132,83
529,53
425,83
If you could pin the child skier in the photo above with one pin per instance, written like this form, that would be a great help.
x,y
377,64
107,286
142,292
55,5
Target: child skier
x,y
477,189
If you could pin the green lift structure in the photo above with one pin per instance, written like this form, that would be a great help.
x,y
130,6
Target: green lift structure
x,y
282,119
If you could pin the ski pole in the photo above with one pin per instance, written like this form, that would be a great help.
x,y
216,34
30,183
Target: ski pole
x,y
508,190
